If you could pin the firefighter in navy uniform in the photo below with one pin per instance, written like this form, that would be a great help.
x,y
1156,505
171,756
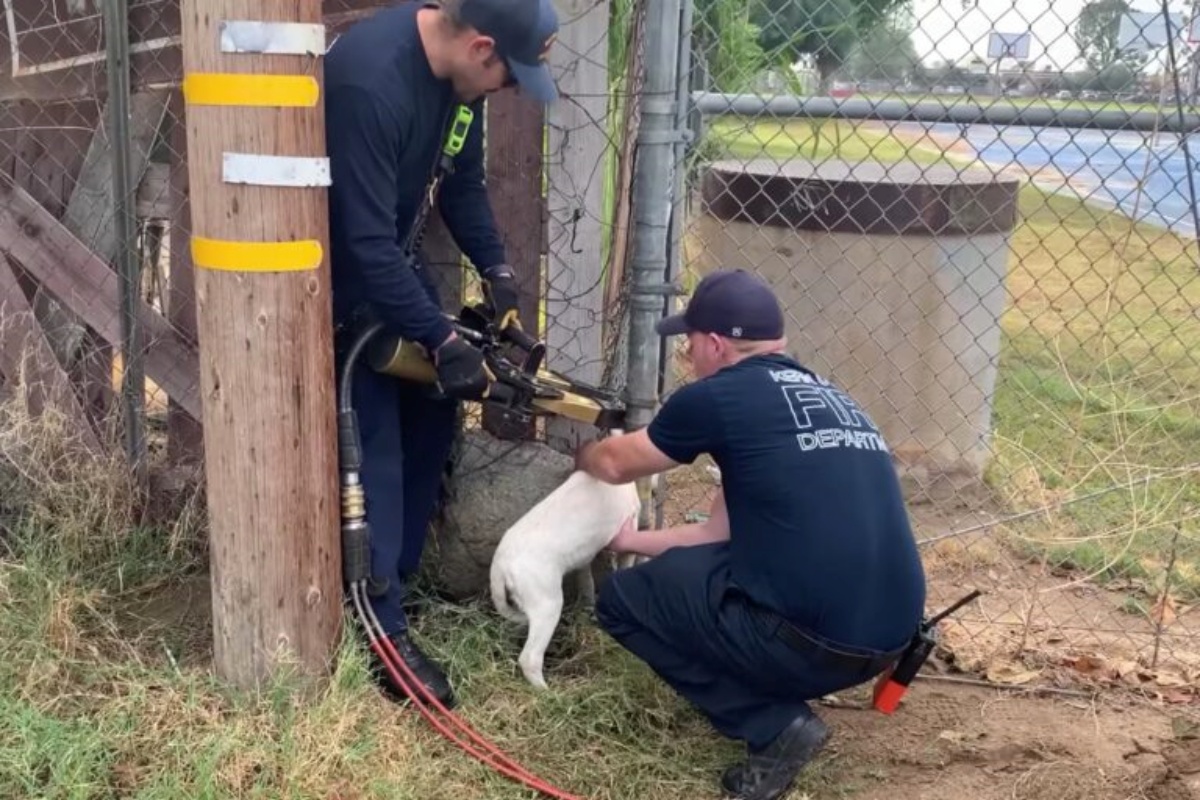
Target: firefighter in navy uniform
x,y
805,579
393,83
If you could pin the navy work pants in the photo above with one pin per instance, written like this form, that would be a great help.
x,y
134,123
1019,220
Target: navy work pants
x,y
406,440
681,615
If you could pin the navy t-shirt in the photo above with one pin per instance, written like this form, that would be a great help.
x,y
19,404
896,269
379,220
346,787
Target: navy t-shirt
x,y
818,527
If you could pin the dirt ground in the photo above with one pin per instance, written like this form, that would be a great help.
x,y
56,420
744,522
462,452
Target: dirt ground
x,y
1086,699
952,741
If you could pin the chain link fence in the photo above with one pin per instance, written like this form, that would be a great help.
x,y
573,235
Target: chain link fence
x,y
558,179
981,219
97,288
981,222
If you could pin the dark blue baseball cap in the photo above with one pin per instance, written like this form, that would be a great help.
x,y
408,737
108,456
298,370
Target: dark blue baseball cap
x,y
523,31
732,303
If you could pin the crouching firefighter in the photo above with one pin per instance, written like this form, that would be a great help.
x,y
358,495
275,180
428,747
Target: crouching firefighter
x,y
404,128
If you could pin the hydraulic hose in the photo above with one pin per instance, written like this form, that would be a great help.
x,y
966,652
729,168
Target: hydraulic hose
x,y
356,569
345,393
356,533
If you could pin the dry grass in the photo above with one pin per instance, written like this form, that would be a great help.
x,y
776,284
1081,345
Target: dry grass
x,y
98,699
1100,387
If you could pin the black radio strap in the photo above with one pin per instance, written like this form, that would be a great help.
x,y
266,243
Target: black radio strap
x,y
456,135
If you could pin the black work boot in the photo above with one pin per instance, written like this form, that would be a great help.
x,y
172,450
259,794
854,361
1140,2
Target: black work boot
x,y
426,671
768,773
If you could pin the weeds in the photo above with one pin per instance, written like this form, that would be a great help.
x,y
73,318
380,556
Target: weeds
x,y
102,697
1094,392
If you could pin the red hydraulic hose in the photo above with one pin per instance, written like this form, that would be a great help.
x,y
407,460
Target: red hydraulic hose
x,y
391,660
356,562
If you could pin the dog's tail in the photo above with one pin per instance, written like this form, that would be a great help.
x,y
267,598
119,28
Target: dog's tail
x,y
500,596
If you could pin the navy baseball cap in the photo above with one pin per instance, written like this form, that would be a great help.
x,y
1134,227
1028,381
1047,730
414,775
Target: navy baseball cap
x,y
523,31
732,303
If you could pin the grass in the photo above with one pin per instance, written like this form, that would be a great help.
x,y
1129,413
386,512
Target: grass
x,y
1100,386
1031,102
105,688
817,141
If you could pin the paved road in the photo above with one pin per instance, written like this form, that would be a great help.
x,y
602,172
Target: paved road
x,y
1105,167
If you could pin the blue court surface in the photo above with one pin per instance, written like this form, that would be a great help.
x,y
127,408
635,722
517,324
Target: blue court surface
x,y
1141,174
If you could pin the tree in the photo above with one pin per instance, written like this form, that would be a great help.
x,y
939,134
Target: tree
x,y
948,74
731,46
1097,36
886,53
1118,77
784,30
828,29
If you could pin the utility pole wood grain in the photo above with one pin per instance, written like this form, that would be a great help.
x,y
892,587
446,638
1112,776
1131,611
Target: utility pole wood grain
x,y
264,328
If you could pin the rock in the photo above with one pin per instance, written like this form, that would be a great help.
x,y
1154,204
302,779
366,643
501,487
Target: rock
x,y
491,484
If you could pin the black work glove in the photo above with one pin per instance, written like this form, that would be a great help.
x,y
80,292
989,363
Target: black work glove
x,y
462,373
503,295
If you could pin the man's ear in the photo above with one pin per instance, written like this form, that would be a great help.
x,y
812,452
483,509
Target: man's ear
x,y
483,47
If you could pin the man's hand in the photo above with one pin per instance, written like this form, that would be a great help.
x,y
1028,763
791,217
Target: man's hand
x,y
623,458
626,540
461,371
581,455
504,296
652,543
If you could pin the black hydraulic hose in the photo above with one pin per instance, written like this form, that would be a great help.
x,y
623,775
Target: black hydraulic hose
x,y
356,532
345,395
356,571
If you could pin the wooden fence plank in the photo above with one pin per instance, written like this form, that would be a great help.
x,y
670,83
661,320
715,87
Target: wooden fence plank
x,y
89,213
156,58
185,433
514,176
23,346
88,286
90,217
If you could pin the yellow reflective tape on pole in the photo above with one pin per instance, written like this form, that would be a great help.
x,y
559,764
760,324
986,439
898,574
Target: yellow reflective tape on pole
x,y
256,256
232,89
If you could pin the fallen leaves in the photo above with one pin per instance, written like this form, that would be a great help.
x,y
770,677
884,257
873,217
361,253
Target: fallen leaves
x,y
1178,687
1011,673
1087,665
1177,698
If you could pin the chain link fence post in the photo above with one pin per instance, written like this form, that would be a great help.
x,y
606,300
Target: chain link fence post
x,y
653,211
133,384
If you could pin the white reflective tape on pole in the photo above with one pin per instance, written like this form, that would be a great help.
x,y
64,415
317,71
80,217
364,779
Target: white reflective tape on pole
x,y
272,38
259,170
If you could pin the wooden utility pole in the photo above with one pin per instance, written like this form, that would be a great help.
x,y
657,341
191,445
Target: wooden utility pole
x,y
253,85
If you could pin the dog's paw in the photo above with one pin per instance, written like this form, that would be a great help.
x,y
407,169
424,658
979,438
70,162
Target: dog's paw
x,y
535,678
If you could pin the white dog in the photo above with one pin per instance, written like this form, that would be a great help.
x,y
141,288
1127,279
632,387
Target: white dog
x,y
559,535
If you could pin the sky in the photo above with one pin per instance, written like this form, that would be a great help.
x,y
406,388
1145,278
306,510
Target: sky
x,y
946,31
